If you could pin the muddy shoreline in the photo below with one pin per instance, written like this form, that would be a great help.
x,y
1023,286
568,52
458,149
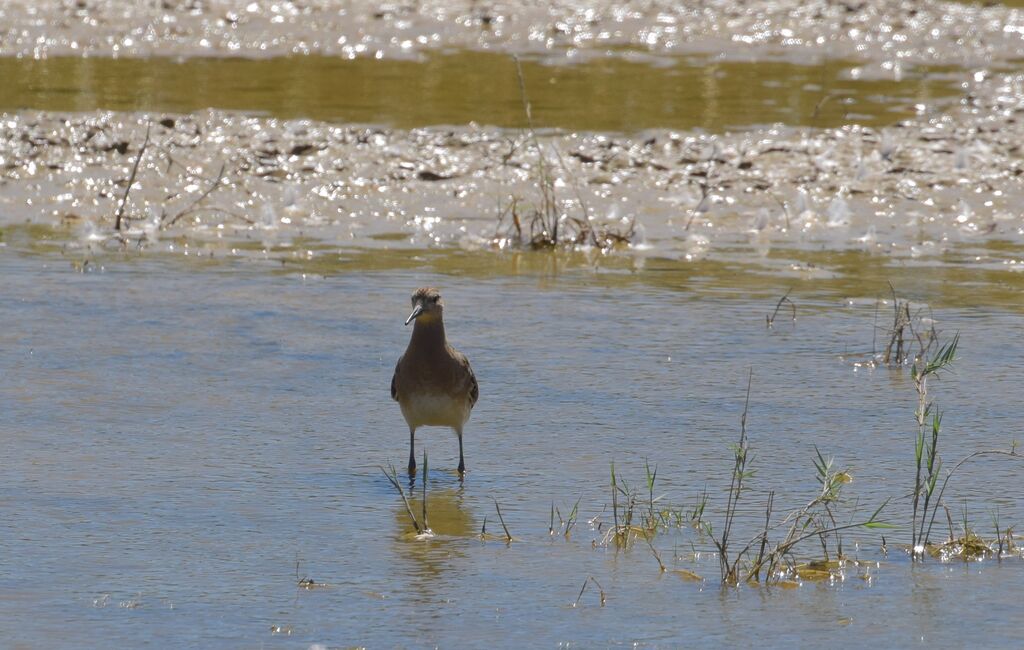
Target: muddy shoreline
x,y
946,179
890,34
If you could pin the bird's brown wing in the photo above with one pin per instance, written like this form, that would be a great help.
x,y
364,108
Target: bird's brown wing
x,y
474,387
394,381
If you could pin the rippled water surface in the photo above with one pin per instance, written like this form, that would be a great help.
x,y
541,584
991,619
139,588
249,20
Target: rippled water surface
x,y
179,435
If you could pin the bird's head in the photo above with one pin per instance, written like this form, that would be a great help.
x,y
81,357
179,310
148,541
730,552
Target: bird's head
x,y
426,306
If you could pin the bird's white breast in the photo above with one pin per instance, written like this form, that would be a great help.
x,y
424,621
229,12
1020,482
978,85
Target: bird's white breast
x,y
435,409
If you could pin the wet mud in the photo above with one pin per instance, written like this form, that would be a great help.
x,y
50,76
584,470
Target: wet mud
x,y
889,33
946,180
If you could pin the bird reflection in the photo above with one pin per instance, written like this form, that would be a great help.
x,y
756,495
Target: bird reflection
x,y
447,517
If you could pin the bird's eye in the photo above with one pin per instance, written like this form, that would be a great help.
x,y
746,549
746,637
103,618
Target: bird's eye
x,y
434,299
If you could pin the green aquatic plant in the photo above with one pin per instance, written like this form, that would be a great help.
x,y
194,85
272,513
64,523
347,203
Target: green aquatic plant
x,y
628,522
926,449
728,565
815,520
928,492
696,514
565,525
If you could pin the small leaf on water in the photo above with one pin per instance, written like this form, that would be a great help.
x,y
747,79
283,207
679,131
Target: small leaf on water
x,y
687,575
813,574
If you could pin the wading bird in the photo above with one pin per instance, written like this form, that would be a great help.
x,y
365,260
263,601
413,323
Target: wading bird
x,y
433,382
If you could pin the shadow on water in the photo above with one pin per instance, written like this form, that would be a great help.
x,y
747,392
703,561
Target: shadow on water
x,y
605,95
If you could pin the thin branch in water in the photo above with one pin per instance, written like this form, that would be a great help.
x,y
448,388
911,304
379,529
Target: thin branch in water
x,y
657,557
584,588
729,569
393,478
508,535
131,181
1012,453
586,581
426,471
191,206
778,306
874,333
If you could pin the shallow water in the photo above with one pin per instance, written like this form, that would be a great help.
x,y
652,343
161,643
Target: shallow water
x,y
609,94
195,423
178,434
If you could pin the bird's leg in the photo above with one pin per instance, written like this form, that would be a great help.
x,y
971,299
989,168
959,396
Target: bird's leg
x,y
462,462
412,451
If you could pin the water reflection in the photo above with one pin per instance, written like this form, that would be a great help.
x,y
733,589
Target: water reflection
x,y
449,518
447,514
604,94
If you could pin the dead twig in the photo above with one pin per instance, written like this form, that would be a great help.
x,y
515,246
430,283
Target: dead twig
x,y
508,535
584,588
131,181
191,206
784,299
393,478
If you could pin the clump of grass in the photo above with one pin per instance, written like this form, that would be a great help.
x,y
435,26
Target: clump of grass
x,y
907,329
696,513
969,546
816,520
565,525
544,226
637,513
546,223
633,515
729,567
